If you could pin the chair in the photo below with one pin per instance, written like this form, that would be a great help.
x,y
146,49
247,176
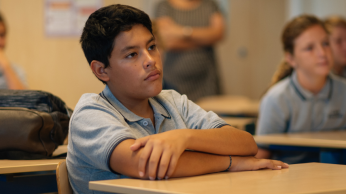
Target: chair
x,y
64,186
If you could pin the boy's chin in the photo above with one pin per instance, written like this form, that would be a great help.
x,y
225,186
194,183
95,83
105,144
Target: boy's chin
x,y
157,91
153,91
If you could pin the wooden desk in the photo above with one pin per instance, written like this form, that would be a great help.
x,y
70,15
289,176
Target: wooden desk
x,y
334,141
299,178
21,166
230,105
30,176
331,139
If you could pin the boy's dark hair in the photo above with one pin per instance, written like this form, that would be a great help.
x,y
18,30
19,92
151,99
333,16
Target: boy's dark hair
x,y
104,25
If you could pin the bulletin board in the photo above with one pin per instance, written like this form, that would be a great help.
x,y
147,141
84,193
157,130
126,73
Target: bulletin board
x,y
68,17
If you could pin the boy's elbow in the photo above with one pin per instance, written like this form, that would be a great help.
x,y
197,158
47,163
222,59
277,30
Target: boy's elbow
x,y
253,149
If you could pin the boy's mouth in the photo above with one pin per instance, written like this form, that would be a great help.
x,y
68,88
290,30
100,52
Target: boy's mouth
x,y
153,75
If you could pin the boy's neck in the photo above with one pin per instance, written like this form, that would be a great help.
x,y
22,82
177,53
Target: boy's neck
x,y
314,84
140,107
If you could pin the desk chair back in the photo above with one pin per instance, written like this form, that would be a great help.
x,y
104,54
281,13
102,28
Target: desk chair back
x,y
64,186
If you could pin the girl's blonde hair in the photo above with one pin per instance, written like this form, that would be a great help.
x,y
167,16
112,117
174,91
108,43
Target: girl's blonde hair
x,y
291,31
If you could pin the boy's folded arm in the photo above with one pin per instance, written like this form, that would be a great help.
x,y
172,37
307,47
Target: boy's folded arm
x,y
226,140
163,154
125,161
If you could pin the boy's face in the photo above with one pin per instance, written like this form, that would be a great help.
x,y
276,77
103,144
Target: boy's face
x,y
135,70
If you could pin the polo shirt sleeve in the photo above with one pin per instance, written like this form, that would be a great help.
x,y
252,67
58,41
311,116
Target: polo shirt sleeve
x,y
273,115
194,116
96,129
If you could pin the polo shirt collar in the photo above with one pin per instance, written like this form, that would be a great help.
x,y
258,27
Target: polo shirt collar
x,y
324,94
126,113
159,108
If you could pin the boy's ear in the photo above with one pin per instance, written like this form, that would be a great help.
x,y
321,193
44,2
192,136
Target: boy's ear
x,y
290,59
98,69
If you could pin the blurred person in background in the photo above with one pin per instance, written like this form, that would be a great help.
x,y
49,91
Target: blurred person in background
x,y
189,29
336,27
11,76
304,96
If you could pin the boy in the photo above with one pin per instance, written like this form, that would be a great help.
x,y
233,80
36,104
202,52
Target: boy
x,y
133,128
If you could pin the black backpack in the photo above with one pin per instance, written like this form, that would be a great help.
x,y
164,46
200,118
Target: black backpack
x,y
32,124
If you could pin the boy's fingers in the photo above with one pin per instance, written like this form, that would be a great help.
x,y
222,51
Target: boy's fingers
x,y
164,164
139,143
285,165
279,163
142,163
153,162
135,146
172,164
276,165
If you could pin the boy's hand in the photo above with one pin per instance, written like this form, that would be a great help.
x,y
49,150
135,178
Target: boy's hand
x,y
160,153
251,163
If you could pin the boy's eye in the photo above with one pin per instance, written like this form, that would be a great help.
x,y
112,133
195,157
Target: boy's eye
x,y
131,55
152,47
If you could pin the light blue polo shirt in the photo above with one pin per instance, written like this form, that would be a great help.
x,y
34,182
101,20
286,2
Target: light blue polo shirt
x,y
99,124
289,108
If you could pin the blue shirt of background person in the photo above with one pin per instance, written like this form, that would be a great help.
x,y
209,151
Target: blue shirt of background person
x,y
305,97
135,129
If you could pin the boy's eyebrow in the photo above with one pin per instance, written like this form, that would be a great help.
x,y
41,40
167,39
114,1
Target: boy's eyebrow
x,y
132,47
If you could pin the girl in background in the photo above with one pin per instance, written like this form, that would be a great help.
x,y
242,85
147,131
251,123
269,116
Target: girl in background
x,y
304,96
336,27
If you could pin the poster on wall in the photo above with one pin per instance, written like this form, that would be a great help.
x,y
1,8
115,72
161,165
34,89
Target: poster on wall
x,y
68,17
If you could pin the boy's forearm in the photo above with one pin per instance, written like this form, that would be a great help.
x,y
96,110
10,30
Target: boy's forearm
x,y
226,140
197,163
190,163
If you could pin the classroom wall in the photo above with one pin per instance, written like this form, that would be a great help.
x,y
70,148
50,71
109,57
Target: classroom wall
x,y
53,64
248,55
56,65
251,49
320,8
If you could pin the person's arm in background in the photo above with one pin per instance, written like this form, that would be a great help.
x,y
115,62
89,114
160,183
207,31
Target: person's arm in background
x,y
177,37
11,77
272,119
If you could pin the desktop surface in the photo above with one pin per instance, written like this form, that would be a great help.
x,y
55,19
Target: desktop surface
x,y
299,178
330,139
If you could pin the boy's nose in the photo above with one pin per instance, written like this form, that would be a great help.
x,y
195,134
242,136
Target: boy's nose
x,y
149,61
